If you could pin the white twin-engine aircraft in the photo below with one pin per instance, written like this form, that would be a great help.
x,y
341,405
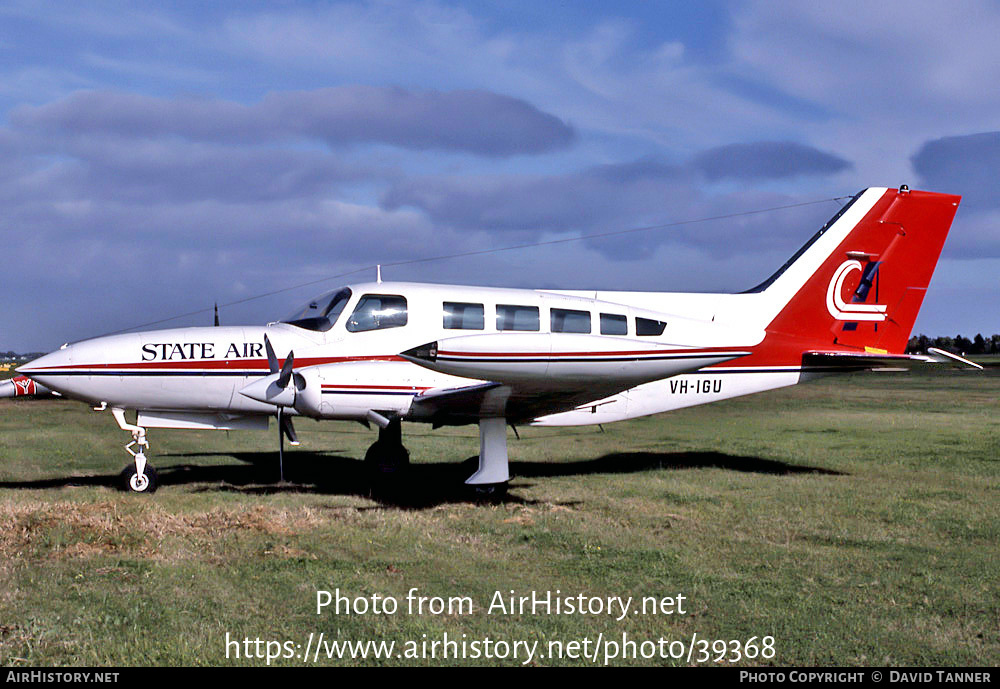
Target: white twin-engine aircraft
x,y
386,352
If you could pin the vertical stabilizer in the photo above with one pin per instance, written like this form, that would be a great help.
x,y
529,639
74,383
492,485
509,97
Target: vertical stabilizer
x,y
859,283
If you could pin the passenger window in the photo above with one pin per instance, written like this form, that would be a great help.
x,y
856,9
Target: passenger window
x,y
647,326
511,317
378,311
613,324
570,321
462,316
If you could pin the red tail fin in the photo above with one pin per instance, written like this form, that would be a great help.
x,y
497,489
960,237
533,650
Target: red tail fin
x,y
859,283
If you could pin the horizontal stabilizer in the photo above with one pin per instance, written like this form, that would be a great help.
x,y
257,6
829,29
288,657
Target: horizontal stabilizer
x,y
943,357
835,362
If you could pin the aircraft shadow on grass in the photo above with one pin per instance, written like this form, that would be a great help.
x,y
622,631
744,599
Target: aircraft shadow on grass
x,y
423,485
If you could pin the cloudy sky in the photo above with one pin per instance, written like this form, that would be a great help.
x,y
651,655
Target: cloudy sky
x,y
156,157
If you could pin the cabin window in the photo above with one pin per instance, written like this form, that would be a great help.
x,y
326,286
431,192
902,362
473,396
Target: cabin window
x,y
613,324
647,326
462,316
513,317
378,311
570,321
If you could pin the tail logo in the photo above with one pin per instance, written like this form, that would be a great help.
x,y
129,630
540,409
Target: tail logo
x,y
853,311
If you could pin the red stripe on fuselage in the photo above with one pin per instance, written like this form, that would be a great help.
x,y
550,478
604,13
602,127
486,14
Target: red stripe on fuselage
x,y
374,387
221,364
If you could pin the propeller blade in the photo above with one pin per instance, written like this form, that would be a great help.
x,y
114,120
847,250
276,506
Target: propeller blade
x,y
281,444
286,370
289,430
216,314
272,360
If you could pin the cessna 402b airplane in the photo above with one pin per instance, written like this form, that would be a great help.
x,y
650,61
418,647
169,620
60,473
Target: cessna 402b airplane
x,y
386,352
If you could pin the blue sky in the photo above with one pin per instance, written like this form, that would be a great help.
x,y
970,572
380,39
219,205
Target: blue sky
x,y
156,157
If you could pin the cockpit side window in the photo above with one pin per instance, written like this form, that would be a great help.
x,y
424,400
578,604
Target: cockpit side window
x,y
648,327
377,312
321,313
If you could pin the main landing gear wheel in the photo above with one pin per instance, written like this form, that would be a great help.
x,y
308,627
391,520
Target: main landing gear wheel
x,y
386,460
487,492
130,480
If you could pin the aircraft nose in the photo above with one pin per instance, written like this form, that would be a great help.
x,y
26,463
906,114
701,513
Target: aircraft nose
x,y
53,361
83,370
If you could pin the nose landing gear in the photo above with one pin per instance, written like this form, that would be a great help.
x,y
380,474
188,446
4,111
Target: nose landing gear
x,y
139,477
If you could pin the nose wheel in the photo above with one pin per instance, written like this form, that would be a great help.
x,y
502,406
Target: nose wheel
x,y
131,480
138,477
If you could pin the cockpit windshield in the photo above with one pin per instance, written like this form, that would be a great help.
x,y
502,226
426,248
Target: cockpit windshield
x,y
321,313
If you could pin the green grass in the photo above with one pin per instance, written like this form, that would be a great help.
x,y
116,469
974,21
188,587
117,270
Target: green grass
x,y
855,519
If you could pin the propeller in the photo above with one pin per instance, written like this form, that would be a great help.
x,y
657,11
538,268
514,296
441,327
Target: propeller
x,y
281,388
275,388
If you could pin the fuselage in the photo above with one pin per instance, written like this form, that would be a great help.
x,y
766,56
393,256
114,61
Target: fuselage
x,y
612,343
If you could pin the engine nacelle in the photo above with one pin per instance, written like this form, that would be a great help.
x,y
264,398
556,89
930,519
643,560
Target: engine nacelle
x,y
308,393
524,358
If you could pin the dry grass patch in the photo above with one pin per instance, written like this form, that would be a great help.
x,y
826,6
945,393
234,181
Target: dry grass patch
x,y
84,530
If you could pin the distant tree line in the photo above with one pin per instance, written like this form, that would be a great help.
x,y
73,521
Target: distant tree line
x,y
14,356
957,345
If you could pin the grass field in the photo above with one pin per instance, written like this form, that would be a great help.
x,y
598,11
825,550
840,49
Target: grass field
x,y
856,520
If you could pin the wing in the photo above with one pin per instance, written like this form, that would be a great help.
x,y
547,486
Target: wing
x,y
456,406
